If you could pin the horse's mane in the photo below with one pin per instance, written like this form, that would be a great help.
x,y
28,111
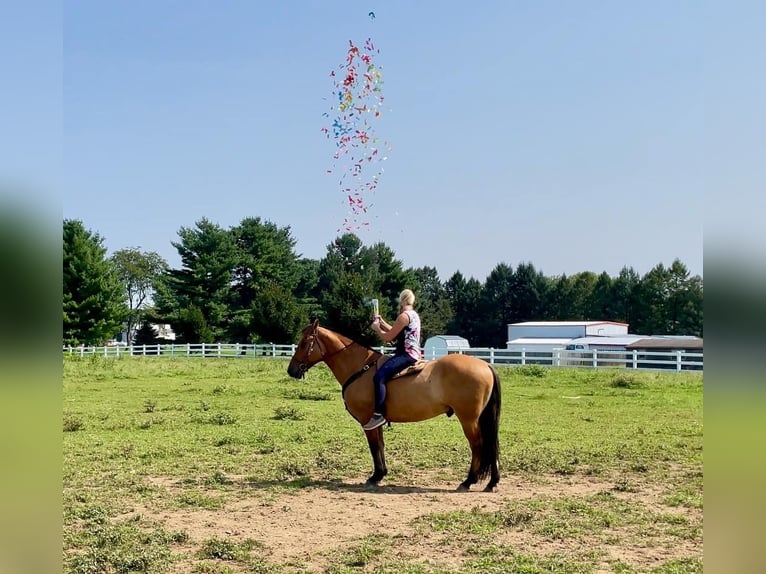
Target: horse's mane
x,y
353,341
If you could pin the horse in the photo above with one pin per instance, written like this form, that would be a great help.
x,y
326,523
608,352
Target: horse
x,y
461,385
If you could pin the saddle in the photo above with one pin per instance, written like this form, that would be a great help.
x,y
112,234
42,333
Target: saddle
x,y
411,370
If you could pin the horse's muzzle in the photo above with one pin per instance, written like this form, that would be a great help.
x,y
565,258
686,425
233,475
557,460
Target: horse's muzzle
x,y
296,370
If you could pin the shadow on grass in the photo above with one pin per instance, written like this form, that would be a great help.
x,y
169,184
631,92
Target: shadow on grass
x,y
337,485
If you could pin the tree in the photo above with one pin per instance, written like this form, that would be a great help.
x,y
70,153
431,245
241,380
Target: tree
x,y
138,271
277,316
527,291
623,297
559,299
93,305
190,326
203,283
305,291
264,257
342,258
343,255
688,308
669,301
599,305
350,275
652,294
386,275
464,297
497,306
347,310
432,302
145,335
582,284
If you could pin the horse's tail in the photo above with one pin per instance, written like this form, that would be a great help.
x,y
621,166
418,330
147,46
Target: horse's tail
x,y
489,423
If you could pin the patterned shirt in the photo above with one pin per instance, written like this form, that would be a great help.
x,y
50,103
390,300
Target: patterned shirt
x,y
408,340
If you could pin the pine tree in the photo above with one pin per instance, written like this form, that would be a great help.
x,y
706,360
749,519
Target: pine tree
x,y
94,306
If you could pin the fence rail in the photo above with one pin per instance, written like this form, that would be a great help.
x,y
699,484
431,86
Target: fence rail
x,y
592,358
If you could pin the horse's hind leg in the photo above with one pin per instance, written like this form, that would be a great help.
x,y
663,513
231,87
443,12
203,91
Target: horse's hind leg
x,y
473,434
377,450
493,479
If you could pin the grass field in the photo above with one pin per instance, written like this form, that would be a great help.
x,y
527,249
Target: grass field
x,y
218,465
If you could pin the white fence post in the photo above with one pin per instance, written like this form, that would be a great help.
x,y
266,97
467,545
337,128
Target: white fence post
x,y
492,356
635,359
595,358
679,361
523,356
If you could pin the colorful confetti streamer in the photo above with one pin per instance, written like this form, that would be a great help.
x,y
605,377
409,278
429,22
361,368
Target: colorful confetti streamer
x,y
357,101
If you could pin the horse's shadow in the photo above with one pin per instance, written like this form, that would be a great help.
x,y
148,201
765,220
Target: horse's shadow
x,y
338,486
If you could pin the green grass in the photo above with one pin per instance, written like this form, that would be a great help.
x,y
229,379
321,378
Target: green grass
x,y
220,431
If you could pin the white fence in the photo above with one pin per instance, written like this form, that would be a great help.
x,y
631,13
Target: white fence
x,y
634,359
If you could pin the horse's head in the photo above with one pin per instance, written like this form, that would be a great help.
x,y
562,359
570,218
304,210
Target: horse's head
x,y
308,353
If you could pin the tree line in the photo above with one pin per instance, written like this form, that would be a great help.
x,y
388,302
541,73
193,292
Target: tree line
x,y
247,284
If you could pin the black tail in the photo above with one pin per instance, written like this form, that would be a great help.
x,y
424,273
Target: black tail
x,y
489,424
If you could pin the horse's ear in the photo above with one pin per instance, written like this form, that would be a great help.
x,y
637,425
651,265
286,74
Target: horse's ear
x,y
315,324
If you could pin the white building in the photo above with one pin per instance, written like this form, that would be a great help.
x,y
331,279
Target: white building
x,y
549,335
164,332
612,343
440,345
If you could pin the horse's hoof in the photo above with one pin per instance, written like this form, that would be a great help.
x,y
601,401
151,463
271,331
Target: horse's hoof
x,y
491,488
462,488
372,484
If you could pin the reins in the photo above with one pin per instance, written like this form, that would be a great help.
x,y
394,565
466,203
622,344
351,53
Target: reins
x,y
352,378
315,339
323,356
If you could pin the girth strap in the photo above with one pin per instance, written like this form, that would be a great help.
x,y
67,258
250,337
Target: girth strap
x,y
355,376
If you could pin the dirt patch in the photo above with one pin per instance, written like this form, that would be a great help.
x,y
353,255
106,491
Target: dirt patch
x,y
307,526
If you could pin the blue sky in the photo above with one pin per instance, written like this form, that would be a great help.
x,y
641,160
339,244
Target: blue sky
x,y
568,134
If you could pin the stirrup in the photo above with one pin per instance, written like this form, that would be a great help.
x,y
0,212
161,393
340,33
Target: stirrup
x,y
374,422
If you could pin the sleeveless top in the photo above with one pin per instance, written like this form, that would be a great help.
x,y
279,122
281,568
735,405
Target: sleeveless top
x,y
408,340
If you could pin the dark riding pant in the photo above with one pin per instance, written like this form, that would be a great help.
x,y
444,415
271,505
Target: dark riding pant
x,y
394,365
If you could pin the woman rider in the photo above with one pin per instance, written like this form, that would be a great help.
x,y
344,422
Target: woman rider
x,y
406,332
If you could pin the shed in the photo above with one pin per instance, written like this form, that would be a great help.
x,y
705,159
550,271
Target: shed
x,y
440,345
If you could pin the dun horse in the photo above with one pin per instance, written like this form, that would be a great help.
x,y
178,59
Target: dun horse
x,y
455,384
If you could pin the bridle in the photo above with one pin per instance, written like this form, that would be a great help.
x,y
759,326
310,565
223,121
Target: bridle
x,y
304,367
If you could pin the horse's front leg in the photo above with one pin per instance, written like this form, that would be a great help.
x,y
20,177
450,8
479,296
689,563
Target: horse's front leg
x,y
377,450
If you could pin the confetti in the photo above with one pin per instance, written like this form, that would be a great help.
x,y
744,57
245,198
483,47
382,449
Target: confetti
x,y
358,99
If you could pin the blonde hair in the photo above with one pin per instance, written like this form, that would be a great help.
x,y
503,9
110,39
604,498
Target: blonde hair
x,y
407,297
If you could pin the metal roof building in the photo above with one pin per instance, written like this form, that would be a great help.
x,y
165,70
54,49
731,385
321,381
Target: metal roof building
x,y
537,344
613,343
440,345
563,330
665,343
